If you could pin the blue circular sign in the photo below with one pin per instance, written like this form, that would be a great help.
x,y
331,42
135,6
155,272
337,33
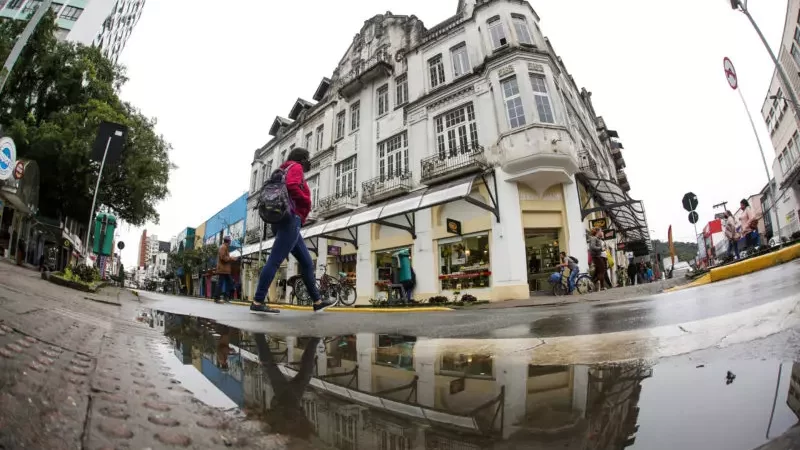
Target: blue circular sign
x,y
8,156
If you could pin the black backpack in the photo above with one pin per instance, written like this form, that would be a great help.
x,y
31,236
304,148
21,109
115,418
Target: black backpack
x,y
274,202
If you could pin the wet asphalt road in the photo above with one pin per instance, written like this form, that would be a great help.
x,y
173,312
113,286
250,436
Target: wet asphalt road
x,y
704,302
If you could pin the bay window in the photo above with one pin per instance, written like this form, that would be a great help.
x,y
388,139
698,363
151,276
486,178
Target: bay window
x,y
542,98
393,156
513,102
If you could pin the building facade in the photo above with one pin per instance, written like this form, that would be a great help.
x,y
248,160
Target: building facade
x,y
783,126
106,24
143,249
469,144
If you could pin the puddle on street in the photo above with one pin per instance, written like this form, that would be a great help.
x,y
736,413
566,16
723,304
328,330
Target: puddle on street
x,y
388,392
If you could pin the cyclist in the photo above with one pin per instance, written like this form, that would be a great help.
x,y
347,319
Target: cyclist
x,y
570,263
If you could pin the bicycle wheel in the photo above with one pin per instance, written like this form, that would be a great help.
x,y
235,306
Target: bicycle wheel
x,y
347,295
559,290
301,292
584,284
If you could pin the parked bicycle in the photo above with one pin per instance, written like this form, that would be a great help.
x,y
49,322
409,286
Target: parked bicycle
x,y
340,290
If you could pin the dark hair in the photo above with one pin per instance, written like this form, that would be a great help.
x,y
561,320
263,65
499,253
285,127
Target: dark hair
x,y
744,202
298,154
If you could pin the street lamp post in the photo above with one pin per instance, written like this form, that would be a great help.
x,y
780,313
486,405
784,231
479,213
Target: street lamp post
x,y
787,86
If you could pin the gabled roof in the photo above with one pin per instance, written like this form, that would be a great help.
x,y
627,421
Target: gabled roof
x,y
279,123
298,107
322,89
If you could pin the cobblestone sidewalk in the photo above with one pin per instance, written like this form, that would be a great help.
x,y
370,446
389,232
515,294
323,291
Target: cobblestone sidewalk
x,y
77,374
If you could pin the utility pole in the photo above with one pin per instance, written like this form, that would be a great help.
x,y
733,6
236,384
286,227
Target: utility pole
x,y
22,41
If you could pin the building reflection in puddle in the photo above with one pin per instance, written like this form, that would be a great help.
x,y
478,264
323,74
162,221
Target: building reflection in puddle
x,y
389,392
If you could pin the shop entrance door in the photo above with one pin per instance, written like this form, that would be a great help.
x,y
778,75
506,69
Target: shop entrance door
x,y
542,252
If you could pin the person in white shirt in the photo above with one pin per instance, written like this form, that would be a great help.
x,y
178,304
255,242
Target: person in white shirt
x,y
731,235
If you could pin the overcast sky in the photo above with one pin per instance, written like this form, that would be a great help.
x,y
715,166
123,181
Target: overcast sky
x,y
215,78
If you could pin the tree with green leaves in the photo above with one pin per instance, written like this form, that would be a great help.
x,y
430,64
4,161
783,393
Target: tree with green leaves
x,y
52,105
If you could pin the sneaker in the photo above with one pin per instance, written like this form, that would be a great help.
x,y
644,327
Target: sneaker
x,y
325,304
262,308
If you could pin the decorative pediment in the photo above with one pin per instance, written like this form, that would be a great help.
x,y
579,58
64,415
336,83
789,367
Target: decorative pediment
x,y
299,106
278,124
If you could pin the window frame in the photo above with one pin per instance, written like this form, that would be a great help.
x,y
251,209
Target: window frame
x,y
448,135
309,140
518,20
313,188
497,23
71,13
320,133
393,158
460,53
517,107
401,90
341,176
355,116
436,72
382,100
547,102
341,125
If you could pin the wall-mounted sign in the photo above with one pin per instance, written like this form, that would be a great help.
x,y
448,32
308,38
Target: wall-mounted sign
x,y
334,250
8,157
599,223
609,234
19,170
453,226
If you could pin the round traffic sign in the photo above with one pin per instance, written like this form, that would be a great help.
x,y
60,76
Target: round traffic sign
x,y
693,217
689,201
730,73
8,156
19,170
121,245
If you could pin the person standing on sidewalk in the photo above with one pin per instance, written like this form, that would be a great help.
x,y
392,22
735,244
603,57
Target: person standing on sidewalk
x,y
749,223
224,279
731,236
598,252
288,181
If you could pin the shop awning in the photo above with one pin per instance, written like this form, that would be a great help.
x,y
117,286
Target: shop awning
x,y
402,207
628,215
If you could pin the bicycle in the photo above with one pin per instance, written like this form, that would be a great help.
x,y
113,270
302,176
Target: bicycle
x,y
340,290
583,284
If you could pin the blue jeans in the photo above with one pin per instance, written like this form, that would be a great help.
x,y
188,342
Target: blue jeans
x,y
224,285
733,248
573,275
287,240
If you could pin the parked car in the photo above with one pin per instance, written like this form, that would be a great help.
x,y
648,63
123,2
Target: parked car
x,y
681,269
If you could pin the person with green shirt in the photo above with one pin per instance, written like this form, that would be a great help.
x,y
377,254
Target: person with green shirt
x,y
405,273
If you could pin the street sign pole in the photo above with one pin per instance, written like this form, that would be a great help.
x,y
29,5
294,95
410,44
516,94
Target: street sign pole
x,y
94,200
22,41
733,81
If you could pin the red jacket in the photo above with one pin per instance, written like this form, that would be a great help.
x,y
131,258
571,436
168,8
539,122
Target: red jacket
x,y
298,189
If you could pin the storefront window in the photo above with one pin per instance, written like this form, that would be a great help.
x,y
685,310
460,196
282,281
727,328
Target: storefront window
x,y
344,348
543,252
467,365
396,351
464,263
386,268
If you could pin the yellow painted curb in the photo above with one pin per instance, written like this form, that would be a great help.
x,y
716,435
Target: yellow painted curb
x,y
705,279
755,264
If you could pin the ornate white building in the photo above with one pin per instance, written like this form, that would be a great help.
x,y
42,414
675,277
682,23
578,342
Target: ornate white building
x,y
467,143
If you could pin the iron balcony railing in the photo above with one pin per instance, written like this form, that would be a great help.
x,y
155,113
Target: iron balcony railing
x,y
386,187
337,203
587,164
454,163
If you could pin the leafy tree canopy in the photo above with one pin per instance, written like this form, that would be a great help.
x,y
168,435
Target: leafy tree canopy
x,y
684,251
52,104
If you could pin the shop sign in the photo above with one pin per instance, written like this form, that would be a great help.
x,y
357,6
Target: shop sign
x,y
454,226
19,170
609,234
8,156
599,223
334,250
621,246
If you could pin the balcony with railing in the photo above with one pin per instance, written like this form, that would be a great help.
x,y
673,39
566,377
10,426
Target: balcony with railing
x,y
587,164
619,161
365,72
456,163
336,204
386,187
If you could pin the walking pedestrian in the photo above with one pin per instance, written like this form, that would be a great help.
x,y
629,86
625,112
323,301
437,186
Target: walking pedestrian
x,y
749,224
570,265
224,279
289,214
597,248
731,235
405,273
